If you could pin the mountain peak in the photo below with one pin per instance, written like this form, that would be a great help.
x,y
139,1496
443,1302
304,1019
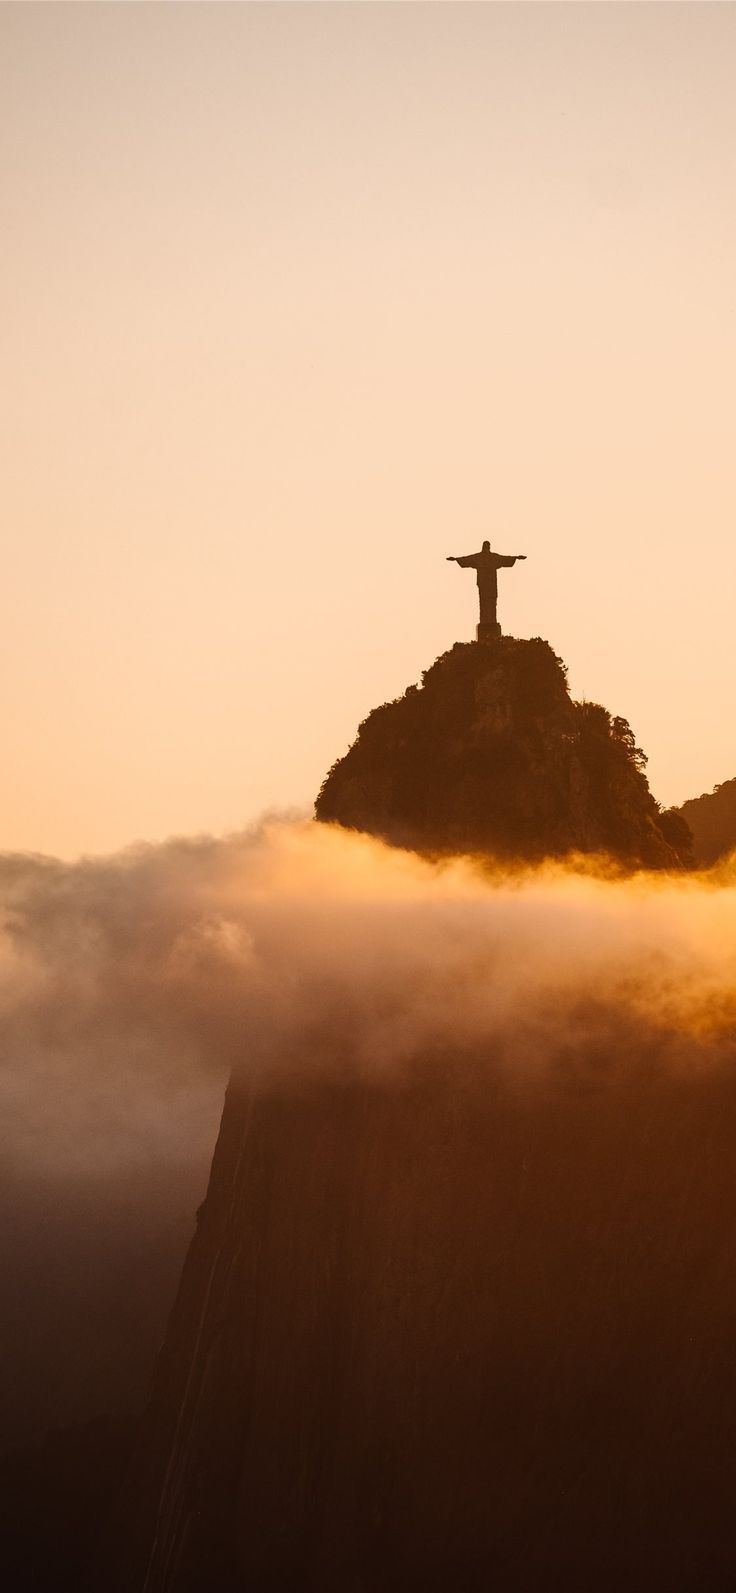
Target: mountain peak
x,y
490,755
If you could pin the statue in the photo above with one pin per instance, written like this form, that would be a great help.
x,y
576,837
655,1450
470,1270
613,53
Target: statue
x,y
485,565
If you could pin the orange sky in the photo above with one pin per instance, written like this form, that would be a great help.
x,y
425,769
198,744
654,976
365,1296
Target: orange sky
x,y
300,299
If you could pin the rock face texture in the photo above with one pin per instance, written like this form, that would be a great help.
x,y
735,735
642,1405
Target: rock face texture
x,y
491,755
451,1334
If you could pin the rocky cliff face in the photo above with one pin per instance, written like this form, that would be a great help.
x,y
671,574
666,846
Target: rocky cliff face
x,y
451,1334
491,755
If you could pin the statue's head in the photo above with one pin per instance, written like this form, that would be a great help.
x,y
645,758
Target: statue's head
x,y
486,548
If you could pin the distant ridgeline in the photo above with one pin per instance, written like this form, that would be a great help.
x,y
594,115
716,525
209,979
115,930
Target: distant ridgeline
x,y
491,755
712,819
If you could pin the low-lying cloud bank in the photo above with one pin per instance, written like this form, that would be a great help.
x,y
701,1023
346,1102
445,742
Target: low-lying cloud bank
x,y
130,986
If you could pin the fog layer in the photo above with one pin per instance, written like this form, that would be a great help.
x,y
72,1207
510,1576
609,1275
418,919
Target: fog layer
x,y
131,986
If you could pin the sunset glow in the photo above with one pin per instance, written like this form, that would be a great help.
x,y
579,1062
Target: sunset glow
x,y
305,298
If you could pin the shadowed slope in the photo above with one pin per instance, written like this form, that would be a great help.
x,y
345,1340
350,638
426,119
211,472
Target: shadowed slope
x,y
452,1335
712,819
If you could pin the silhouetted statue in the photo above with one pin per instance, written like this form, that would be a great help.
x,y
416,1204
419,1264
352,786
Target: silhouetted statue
x,y
485,565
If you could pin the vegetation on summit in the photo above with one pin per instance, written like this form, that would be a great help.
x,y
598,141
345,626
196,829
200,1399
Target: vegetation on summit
x,y
490,755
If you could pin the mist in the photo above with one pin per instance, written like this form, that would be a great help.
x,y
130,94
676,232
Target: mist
x,y
132,986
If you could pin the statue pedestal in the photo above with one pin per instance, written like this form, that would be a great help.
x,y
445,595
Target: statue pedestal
x,y
488,633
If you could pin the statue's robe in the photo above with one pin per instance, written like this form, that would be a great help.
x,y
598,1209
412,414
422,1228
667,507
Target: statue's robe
x,y
486,566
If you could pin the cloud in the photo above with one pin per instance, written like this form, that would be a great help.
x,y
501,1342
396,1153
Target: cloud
x,y
130,986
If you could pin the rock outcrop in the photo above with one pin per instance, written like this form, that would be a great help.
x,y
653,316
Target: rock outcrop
x,y
491,755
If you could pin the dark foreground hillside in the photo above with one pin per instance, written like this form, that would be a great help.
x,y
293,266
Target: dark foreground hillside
x,y
712,820
492,755
453,1334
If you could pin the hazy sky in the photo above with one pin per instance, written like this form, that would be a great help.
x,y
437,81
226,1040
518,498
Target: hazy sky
x,y
300,299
